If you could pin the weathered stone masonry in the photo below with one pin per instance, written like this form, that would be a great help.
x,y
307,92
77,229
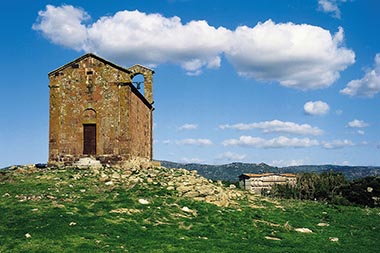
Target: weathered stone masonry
x,y
95,110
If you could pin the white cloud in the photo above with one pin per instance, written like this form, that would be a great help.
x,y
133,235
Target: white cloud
x,y
132,36
330,6
283,163
337,144
278,142
316,108
298,56
188,127
166,142
230,156
196,142
277,126
368,86
191,160
357,124
285,142
361,132
63,26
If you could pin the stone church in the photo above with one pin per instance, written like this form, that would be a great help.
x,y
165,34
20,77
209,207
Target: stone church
x,y
97,110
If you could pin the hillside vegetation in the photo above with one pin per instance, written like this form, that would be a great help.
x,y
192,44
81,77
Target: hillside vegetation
x,y
231,172
330,187
155,209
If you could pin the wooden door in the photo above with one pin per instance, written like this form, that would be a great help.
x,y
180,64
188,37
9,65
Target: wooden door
x,y
89,139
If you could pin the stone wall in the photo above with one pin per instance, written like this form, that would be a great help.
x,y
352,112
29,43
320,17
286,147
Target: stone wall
x,y
141,133
91,90
256,182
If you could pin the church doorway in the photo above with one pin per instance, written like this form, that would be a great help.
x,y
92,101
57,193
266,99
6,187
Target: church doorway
x,y
89,139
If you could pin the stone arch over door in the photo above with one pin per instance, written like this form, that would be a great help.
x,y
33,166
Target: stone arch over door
x,y
89,116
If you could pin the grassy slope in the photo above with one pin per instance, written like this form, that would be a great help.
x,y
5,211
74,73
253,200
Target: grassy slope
x,y
72,211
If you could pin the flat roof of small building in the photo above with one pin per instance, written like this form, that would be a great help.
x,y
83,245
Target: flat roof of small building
x,y
250,175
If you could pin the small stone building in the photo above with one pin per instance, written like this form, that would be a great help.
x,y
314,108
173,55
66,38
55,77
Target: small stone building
x,y
98,111
257,182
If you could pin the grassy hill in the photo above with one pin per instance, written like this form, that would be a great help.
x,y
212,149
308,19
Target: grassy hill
x,y
146,209
230,172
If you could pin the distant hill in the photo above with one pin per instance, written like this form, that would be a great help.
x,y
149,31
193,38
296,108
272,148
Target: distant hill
x,y
230,172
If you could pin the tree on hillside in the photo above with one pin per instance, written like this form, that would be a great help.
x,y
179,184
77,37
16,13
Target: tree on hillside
x,y
312,186
364,191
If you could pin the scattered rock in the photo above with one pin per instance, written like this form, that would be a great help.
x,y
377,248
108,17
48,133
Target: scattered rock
x,y
272,238
144,202
322,224
188,210
115,175
88,162
72,223
191,194
125,210
303,230
287,226
55,204
333,239
188,184
77,176
103,178
27,236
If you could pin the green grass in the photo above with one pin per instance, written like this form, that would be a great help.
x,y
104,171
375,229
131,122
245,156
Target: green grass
x,y
66,214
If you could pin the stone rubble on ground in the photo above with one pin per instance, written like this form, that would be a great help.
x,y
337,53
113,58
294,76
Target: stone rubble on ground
x,y
188,184
272,238
128,211
188,210
87,162
138,171
144,202
303,230
333,239
184,183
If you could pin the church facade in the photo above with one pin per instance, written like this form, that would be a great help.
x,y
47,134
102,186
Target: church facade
x,y
97,111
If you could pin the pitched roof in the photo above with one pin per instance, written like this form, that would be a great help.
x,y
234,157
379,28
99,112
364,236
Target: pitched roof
x,y
137,66
133,88
93,56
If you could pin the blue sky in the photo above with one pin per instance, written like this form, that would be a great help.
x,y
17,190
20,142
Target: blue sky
x,y
280,82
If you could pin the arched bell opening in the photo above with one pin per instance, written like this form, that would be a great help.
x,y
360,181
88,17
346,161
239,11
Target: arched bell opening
x,y
138,81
